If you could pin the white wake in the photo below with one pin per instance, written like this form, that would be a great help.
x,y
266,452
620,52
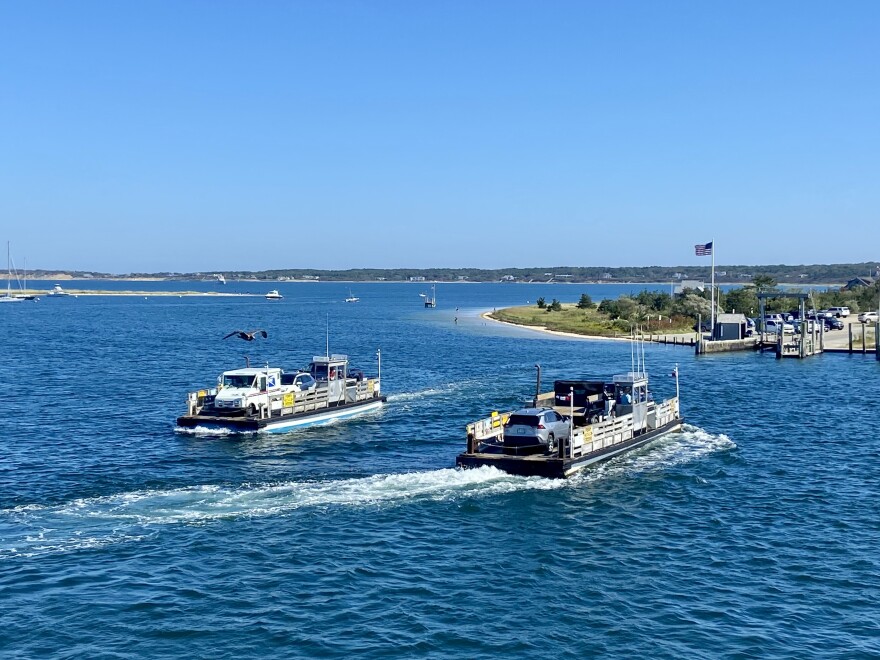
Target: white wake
x,y
92,522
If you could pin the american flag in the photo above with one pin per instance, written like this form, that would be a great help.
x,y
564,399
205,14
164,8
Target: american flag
x,y
703,250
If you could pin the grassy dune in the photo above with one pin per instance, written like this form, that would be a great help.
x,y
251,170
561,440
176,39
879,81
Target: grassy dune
x,y
580,321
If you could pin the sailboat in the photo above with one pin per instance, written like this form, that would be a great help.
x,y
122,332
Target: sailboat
x,y
351,297
9,297
26,296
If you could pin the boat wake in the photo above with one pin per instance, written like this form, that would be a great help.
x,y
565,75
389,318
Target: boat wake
x,y
202,431
689,446
33,530
93,522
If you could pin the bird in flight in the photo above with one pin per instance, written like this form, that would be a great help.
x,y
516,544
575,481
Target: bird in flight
x,y
247,336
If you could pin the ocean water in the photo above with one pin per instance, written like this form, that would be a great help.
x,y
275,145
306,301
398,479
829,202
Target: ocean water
x,y
754,533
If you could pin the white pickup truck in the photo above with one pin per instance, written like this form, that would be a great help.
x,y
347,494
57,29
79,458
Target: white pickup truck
x,y
249,389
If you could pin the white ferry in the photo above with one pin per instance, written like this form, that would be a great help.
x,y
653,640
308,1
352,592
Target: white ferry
x,y
273,400
578,424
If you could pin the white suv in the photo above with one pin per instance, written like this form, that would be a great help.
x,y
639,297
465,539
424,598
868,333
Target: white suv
x,y
839,312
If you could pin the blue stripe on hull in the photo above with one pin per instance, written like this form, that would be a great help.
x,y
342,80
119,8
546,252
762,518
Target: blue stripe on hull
x,y
280,427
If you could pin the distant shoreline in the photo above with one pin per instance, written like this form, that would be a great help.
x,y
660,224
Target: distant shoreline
x,y
68,278
75,293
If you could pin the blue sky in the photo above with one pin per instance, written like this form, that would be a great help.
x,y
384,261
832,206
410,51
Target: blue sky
x,y
335,134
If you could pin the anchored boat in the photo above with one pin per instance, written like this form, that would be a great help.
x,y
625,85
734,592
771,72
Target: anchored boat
x,y
430,301
578,424
273,400
57,291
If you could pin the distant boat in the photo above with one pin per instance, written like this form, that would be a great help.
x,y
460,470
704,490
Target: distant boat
x,y
9,297
221,279
431,301
57,291
274,295
351,297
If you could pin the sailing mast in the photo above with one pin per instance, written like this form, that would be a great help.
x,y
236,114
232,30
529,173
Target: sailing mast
x,y
8,297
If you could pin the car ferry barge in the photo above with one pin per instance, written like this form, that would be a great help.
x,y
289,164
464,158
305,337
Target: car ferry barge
x,y
272,400
577,425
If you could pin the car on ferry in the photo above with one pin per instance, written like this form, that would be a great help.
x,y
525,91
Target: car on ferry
x,y
536,429
299,382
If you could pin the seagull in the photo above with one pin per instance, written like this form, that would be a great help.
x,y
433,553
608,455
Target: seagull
x,y
247,336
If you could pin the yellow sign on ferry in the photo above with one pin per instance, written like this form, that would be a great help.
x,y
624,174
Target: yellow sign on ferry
x,y
288,400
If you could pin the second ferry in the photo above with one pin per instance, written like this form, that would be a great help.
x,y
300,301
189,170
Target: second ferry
x,y
270,399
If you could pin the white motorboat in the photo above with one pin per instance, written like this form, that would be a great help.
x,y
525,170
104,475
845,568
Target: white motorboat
x,y
57,291
274,295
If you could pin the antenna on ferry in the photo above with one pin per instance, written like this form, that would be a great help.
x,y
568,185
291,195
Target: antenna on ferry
x,y
644,366
328,335
632,348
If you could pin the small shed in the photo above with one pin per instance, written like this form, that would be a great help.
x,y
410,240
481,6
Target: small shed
x,y
730,326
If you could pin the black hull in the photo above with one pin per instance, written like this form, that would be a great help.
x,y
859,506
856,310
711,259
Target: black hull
x,y
558,468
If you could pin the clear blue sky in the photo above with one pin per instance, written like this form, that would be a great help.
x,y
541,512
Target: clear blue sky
x,y
149,136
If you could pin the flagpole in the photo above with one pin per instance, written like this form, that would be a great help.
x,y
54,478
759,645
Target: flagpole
x,y
712,326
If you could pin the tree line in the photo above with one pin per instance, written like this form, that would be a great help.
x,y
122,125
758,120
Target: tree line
x,y
649,306
812,274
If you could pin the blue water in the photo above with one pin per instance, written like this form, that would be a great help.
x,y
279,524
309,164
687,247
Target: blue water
x,y
754,533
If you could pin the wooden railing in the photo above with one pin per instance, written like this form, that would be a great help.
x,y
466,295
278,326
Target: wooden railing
x,y
488,428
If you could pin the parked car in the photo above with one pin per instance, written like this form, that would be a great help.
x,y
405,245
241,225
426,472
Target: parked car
x,y
800,325
705,326
868,317
839,312
773,326
540,428
834,324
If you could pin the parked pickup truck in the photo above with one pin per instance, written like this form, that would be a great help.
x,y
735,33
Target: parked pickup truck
x,y
245,390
